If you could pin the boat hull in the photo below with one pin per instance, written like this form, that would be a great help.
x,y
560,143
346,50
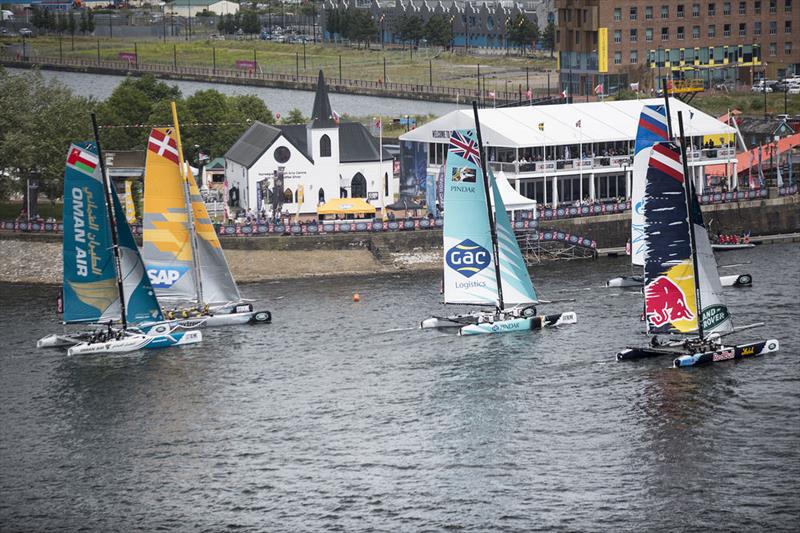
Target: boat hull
x,y
625,281
224,316
519,324
734,280
727,353
137,341
56,340
724,247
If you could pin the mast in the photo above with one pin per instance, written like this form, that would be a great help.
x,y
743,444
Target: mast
x,y
689,190
113,222
198,282
669,117
492,227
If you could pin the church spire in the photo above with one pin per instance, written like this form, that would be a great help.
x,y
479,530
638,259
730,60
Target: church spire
x,y
322,114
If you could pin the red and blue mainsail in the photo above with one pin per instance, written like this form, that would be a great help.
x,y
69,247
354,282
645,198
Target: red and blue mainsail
x,y
652,129
670,288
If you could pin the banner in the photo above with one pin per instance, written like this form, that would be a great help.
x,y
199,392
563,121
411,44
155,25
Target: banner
x,y
413,168
602,49
130,208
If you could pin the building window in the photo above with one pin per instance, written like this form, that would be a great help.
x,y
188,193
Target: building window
x,y
773,27
617,58
787,26
695,32
634,13
742,29
757,7
773,6
726,8
617,14
321,196
757,28
617,36
787,47
787,7
681,13
648,13
648,34
325,146
665,34
358,186
743,8
282,154
726,30
634,36
712,9
773,49
712,30
577,37
680,33
695,10
634,57
665,12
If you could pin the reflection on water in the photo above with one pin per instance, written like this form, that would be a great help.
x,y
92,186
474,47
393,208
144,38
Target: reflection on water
x,y
343,416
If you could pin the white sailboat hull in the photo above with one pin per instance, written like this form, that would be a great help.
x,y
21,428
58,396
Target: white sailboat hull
x,y
724,247
734,280
57,340
137,341
625,281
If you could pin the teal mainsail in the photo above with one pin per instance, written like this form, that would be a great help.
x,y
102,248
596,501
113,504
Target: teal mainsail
x,y
515,280
469,274
90,278
141,304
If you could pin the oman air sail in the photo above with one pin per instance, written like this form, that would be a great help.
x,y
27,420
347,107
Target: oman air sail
x,y
184,258
682,291
104,279
482,263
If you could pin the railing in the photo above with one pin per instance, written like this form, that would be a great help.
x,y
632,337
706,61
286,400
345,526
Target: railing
x,y
252,74
583,211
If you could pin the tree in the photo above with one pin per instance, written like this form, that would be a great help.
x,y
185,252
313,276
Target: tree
x,y
62,24
39,122
410,28
72,25
522,32
439,31
360,26
83,24
295,116
251,108
227,24
549,37
90,22
250,22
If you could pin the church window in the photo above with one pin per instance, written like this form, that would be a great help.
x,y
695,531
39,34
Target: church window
x,y
325,146
358,186
321,195
282,154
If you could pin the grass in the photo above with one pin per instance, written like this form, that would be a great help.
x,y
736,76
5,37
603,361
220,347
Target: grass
x,y
750,104
448,69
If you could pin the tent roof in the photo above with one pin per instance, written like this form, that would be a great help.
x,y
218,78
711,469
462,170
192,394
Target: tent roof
x,y
345,206
403,203
518,127
513,200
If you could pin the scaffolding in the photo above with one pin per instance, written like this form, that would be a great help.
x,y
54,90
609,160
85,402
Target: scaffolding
x,y
536,251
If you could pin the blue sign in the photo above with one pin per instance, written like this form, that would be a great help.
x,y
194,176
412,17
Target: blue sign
x,y
468,258
164,278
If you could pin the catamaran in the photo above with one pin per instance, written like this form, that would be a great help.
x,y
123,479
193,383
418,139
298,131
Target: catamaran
x,y
653,127
683,294
183,254
483,264
104,277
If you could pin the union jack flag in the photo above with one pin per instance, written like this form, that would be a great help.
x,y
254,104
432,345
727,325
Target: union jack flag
x,y
463,145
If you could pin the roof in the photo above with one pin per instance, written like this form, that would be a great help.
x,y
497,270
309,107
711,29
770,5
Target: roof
x,y
252,144
513,200
197,3
297,135
218,163
518,127
322,113
357,144
345,206
745,160
764,126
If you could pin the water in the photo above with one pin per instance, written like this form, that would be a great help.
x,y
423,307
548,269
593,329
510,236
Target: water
x,y
328,419
278,100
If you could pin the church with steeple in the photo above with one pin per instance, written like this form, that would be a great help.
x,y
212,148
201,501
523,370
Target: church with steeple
x,y
308,164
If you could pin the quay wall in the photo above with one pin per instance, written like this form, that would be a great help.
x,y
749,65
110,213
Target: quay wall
x,y
36,258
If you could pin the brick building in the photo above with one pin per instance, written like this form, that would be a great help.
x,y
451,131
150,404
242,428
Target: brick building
x,y
629,41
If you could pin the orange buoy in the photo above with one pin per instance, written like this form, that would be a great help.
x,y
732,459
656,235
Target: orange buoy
x,y
356,297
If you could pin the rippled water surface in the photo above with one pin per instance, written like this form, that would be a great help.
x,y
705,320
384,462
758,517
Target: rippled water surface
x,y
342,416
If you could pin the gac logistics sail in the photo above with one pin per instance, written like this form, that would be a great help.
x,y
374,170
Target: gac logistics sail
x,y
483,264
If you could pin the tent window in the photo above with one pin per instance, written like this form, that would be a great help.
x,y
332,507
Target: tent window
x,y
288,196
325,146
322,196
358,186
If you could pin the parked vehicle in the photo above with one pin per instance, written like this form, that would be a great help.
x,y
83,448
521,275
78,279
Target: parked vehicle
x,y
25,32
761,88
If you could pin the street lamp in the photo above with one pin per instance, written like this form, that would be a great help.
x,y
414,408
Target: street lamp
x,y
452,33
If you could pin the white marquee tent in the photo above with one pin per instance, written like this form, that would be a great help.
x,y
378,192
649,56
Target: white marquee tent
x,y
519,127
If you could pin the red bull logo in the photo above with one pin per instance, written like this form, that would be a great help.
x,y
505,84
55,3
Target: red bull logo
x,y
665,302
